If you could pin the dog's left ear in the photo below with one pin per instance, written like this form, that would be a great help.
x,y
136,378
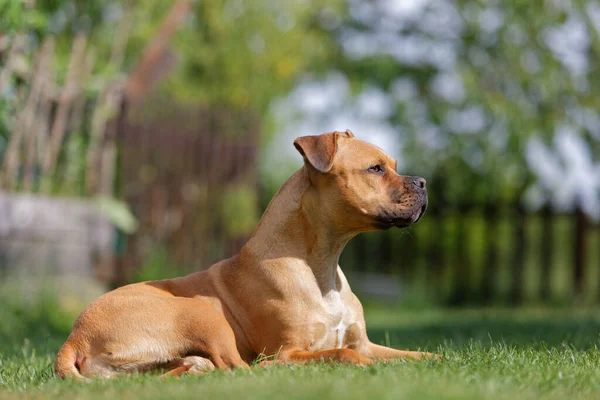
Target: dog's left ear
x,y
318,151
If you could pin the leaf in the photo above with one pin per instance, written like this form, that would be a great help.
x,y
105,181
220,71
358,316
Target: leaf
x,y
117,212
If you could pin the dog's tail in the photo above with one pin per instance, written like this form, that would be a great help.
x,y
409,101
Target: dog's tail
x,y
66,365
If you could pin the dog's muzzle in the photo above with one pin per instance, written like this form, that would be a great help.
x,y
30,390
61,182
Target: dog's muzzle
x,y
410,209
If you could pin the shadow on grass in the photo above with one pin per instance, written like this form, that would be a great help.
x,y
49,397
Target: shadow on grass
x,y
485,328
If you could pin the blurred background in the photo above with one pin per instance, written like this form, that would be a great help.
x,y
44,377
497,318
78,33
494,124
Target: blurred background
x,y
143,139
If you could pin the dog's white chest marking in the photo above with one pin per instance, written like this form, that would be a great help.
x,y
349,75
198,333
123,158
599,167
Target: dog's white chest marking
x,y
340,331
336,318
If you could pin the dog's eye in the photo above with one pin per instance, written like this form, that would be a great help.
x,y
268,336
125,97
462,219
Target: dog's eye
x,y
377,169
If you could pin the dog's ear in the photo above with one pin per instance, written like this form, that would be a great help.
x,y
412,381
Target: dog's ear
x,y
318,151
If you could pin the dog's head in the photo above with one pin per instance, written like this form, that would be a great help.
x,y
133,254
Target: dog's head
x,y
356,184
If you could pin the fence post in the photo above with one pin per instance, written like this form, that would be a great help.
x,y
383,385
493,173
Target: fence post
x,y
386,252
437,250
580,251
547,240
360,250
490,213
462,269
516,295
436,261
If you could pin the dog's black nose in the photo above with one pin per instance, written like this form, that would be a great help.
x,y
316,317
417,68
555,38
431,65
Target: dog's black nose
x,y
419,182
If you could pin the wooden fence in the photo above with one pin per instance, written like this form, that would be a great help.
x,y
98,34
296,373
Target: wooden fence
x,y
190,178
488,253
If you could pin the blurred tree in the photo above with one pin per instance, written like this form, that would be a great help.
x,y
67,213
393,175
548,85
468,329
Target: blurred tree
x,y
472,82
24,26
231,53
243,54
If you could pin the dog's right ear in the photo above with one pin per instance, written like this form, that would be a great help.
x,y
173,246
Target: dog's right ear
x,y
318,151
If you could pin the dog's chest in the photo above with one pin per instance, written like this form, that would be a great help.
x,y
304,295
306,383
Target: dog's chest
x,y
336,327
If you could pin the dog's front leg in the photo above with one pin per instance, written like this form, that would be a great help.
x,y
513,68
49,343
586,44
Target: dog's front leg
x,y
378,352
344,356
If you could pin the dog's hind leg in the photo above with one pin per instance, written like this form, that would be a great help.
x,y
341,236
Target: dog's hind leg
x,y
193,365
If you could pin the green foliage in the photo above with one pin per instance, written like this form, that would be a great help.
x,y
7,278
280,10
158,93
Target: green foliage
x,y
515,79
231,55
514,82
64,19
32,322
157,265
16,15
243,54
118,213
239,210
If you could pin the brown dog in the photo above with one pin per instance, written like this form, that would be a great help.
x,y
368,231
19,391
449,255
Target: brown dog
x,y
284,294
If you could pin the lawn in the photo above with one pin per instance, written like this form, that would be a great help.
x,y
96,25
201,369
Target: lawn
x,y
488,353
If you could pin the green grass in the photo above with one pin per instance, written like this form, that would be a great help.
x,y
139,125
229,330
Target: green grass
x,y
488,354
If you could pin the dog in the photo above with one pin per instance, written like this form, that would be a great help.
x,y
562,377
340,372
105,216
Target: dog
x,y
282,295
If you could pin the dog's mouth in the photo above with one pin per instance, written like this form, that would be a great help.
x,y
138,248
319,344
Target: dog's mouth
x,y
406,218
420,213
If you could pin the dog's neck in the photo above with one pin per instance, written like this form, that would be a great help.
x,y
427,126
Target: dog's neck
x,y
294,227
